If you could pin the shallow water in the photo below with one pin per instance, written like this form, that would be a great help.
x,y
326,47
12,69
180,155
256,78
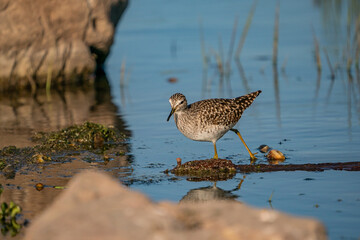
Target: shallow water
x,y
320,119
308,119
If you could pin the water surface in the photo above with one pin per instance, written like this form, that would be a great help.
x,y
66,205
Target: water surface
x,y
308,116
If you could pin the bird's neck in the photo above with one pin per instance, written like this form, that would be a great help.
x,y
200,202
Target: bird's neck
x,y
176,118
177,115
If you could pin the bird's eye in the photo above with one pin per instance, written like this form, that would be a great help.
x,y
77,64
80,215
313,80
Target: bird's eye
x,y
182,102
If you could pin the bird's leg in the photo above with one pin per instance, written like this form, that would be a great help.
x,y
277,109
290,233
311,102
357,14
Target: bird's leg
x,y
215,155
252,156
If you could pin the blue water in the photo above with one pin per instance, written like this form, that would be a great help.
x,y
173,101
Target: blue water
x,y
156,40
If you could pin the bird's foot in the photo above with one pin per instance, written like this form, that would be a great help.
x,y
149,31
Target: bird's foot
x,y
252,156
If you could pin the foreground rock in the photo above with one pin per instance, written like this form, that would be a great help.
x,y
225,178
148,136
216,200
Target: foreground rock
x,y
97,207
58,38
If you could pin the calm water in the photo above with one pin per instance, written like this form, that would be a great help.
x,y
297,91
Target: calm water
x,y
318,118
158,40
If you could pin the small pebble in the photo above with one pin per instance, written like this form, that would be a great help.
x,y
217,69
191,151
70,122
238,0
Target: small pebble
x,y
264,148
172,79
39,186
40,158
178,160
275,155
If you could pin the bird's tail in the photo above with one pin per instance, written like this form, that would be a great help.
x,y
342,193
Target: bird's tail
x,y
246,100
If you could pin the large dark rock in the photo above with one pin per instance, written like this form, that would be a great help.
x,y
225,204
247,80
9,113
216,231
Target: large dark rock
x,y
64,37
94,206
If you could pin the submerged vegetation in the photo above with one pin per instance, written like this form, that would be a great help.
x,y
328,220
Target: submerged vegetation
x,y
222,169
206,170
88,136
88,141
340,50
8,217
53,146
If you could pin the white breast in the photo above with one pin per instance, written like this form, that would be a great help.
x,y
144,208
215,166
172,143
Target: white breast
x,y
192,129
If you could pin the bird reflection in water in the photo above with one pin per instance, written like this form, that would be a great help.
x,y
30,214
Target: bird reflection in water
x,y
211,193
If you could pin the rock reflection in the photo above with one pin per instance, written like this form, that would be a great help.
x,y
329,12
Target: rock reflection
x,y
21,116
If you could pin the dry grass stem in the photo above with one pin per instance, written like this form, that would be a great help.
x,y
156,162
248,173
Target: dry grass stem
x,y
276,34
245,30
329,64
231,47
204,57
317,52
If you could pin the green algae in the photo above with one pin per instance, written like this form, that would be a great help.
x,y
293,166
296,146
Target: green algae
x,y
88,136
209,169
8,217
61,146
2,163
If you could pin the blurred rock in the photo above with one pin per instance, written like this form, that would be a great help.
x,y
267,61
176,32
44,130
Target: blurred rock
x,y
64,37
97,207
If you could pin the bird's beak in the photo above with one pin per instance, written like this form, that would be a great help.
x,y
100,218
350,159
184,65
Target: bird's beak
x,y
171,113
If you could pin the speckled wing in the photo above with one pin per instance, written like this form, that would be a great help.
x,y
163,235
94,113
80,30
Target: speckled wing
x,y
221,111
245,101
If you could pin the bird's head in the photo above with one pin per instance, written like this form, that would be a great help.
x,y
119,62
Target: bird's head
x,y
178,102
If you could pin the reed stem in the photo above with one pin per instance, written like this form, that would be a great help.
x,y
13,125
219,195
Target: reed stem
x,y
317,52
329,64
276,34
245,30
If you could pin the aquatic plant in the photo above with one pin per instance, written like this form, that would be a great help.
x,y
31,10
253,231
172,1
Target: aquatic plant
x,y
209,170
276,35
86,136
8,214
57,146
245,30
2,164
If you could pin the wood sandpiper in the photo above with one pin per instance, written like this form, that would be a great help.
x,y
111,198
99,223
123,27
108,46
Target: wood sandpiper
x,y
208,120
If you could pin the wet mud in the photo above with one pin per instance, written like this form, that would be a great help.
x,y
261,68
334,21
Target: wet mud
x,y
222,169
